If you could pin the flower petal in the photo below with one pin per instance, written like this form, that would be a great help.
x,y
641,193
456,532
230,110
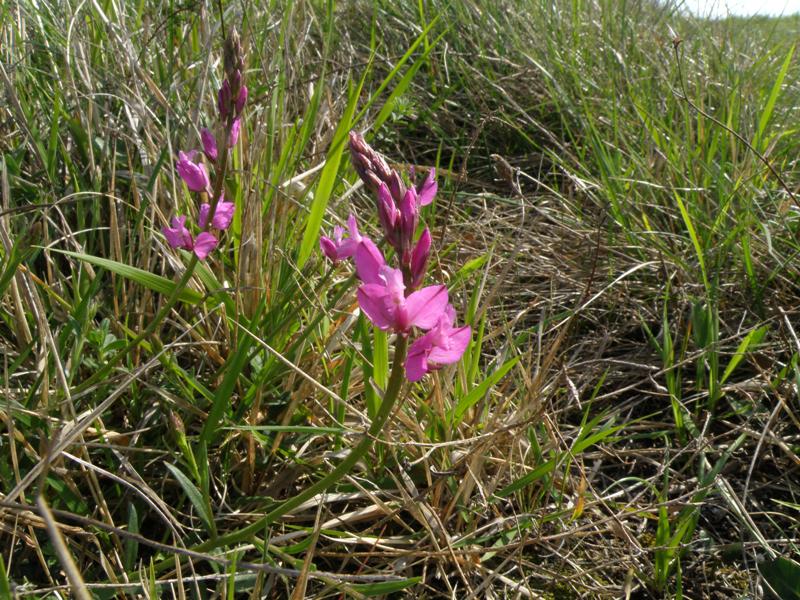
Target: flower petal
x,y
204,244
428,189
458,341
372,300
209,144
369,262
426,306
177,235
328,248
416,365
223,215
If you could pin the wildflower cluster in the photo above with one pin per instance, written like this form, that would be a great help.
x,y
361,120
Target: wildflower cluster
x,y
391,297
216,213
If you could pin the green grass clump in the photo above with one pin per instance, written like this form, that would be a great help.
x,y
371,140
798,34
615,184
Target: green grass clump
x,y
616,221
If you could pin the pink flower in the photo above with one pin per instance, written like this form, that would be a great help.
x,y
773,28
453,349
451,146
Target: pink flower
x,y
209,144
428,189
338,248
178,236
387,306
442,345
194,174
223,214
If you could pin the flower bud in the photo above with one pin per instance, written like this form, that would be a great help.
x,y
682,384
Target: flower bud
x,y
419,259
388,214
409,218
234,135
428,189
224,100
232,54
194,174
240,100
209,144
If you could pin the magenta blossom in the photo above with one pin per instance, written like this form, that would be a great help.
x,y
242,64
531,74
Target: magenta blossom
x,y
387,306
223,214
209,144
428,189
178,236
442,345
337,248
194,174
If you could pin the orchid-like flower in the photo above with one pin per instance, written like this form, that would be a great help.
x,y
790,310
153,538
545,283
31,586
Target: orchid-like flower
x,y
442,345
209,144
178,236
223,214
338,248
194,174
387,306
427,190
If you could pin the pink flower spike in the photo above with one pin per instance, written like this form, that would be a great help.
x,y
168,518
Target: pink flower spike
x,y
234,135
204,244
442,345
178,235
209,144
369,262
194,174
428,189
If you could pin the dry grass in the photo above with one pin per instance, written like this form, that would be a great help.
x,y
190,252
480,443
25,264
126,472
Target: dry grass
x,y
617,254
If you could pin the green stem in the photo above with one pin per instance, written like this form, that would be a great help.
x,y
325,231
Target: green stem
x,y
220,169
343,468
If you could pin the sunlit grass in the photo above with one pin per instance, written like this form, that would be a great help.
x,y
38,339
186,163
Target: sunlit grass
x,y
607,224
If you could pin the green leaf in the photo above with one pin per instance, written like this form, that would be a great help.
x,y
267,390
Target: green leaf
x,y
196,498
759,143
751,339
782,575
383,587
222,396
287,428
5,587
328,177
470,399
149,280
